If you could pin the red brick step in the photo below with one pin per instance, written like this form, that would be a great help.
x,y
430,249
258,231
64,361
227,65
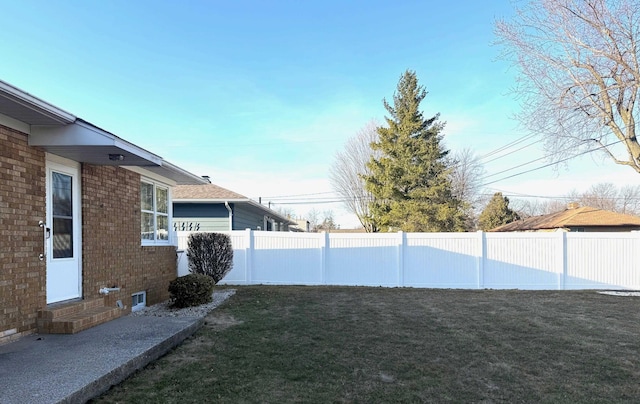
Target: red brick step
x,y
73,317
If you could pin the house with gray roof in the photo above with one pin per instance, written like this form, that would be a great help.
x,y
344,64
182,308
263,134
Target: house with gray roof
x,y
210,207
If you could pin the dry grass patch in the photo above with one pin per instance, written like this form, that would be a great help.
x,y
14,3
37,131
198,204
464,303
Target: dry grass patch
x,y
341,344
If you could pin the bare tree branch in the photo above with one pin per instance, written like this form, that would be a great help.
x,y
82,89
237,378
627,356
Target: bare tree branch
x,y
346,173
466,176
579,73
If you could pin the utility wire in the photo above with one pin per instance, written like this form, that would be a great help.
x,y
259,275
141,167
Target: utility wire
x,y
327,200
510,153
507,146
546,165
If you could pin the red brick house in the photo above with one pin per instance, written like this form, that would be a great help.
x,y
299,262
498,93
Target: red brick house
x,y
85,220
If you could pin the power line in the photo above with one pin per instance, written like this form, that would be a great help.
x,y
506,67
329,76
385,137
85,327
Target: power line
x,y
296,195
506,146
544,166
511,152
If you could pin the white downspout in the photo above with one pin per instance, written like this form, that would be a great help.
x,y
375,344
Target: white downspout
x,y
226,205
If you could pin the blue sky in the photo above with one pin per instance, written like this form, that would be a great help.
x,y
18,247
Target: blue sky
x,y
260,95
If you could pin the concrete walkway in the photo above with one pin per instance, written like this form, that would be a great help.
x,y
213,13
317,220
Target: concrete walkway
x,y
49,368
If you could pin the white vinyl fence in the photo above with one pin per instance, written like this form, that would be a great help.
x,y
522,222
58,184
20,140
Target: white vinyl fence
x,y
479,260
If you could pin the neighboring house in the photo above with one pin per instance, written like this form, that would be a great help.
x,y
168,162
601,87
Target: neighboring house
x,y
301,226
576,219
81,210
212,208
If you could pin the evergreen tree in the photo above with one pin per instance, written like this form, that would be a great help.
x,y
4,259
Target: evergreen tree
x,y
409,178
497,213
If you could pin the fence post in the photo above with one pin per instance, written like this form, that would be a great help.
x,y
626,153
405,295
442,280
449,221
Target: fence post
x,y
400,257
561,265
248,256
480,258
324,246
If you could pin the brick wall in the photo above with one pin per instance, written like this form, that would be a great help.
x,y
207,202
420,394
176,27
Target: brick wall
x,y
112,252
22,206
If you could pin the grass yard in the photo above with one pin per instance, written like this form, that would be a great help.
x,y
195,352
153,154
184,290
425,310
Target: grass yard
x,y
274,344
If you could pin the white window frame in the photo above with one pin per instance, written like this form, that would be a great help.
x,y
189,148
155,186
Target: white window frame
x,y
139,305
169,214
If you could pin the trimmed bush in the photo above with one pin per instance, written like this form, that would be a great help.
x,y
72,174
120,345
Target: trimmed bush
x,y
210,254
191,290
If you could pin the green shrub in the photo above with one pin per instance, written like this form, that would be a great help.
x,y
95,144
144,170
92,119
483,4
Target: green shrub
x,y
191,290
210,254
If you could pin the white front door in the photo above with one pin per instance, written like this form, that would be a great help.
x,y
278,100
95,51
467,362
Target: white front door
x,y
63,232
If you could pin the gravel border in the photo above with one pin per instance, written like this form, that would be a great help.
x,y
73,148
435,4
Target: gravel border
x,y
165,310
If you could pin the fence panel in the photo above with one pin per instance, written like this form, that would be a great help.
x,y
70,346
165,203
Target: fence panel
x,y
603,260
362,259
286,258
437,260
440,260
522,260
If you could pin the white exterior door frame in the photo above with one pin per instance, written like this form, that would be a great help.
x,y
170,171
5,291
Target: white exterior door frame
x,y
63,231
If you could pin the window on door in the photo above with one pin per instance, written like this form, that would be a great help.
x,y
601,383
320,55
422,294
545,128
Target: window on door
x,y
62,213
154,201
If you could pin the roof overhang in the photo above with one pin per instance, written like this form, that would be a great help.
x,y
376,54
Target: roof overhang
x,y
255,205
24,107
61,133
177,174
85,143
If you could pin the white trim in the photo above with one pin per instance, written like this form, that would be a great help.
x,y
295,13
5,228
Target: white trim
x,y
151,176
54,158
84,134
174,168
15,124
139,306
31,101
170,238
73,168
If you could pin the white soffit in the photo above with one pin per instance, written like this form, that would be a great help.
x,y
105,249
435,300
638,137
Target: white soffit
x,y
63,134
86,143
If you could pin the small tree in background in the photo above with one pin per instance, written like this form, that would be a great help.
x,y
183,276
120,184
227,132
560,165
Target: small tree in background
x,y
496,213
210,254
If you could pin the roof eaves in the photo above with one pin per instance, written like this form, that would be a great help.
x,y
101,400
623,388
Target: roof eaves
x,y
210,200
271,212
35,103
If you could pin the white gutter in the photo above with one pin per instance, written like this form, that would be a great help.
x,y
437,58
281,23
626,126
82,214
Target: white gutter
x,y
226,205
36,103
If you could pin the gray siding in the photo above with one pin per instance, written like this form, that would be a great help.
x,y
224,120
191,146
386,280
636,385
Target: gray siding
x,y
246,219
189,210
200,217
201,224
215,217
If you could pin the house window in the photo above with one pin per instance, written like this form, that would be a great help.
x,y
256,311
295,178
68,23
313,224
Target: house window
x,y
138,301
154,203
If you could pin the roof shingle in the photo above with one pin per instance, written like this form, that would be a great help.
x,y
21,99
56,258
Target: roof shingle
x,y
582,217
206,191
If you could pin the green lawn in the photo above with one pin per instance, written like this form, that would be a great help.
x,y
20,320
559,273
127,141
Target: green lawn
x,y
277,344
